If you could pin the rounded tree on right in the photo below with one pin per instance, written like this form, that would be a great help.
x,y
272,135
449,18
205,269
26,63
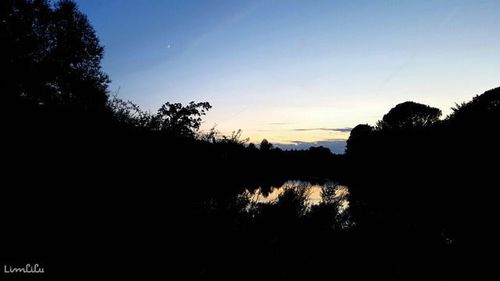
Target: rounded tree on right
x,y
408,115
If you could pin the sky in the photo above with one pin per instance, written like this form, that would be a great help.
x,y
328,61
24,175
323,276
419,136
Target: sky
x,y
298,73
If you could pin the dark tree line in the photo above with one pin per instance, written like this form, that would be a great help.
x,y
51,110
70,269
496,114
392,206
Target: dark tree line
x,y
432,182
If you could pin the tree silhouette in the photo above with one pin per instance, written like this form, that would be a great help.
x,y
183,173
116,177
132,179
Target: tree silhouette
x,y
50,54
265,145
480,110
179,120
358,137
251,147
409,115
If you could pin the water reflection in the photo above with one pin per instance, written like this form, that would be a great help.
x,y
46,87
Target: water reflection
x,y
328,192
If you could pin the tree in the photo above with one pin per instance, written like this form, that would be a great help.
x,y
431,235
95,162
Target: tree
x,y
360,131
265,145
409,115
251,147
480,110
358,138
179,120
50,55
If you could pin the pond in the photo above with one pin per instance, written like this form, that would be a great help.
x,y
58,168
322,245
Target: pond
x,y
316,193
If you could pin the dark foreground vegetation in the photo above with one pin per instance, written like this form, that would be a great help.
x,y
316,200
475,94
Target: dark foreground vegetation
x,y
94,187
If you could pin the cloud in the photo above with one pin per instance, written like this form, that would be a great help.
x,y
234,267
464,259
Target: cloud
x,y
335,145
277,123
343,130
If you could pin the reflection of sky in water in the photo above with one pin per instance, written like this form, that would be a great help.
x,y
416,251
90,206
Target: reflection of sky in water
x,y
313,193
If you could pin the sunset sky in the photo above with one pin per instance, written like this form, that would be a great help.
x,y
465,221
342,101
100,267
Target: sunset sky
x,y
298,72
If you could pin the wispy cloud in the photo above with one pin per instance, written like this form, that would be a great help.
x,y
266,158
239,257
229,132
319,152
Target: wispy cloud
x,y
328,140
278,123
343,130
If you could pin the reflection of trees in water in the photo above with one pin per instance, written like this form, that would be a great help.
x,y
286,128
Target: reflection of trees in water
x,y
328,201
317,193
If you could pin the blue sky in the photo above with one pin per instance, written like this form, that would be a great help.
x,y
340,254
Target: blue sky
x,y
295,71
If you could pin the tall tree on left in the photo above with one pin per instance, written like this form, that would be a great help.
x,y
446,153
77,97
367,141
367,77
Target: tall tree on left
x,y
50,56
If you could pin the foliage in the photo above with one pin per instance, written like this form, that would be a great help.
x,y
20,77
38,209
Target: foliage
x,y
179,120
265,145
480,109
293,201
128,114
211,136
409,115
234,138
358,138
329,193
251,147
50,55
